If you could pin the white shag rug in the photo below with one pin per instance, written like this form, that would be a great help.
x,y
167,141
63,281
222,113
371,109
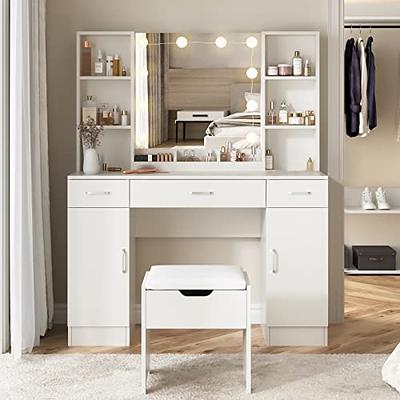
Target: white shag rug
x,y
217,376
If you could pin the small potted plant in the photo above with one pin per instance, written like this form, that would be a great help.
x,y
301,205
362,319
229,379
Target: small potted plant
x,y
90,133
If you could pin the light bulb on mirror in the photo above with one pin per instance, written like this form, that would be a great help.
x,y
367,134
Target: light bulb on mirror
x,y
252,105
252,138
220,42
251,42
252,73
181,42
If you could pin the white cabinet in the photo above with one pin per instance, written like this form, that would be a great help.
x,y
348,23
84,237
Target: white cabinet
x,y
98,276
297,274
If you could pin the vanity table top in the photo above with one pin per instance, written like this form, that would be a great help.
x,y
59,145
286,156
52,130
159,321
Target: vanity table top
x,y
262,175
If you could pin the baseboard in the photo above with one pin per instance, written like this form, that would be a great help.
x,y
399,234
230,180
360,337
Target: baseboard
x,y
60,314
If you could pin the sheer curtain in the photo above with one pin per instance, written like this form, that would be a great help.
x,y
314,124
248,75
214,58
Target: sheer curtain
x,y
31,294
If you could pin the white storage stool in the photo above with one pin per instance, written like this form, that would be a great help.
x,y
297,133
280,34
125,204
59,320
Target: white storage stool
x,y
196,297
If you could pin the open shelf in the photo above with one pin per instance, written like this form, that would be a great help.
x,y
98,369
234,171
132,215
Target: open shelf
x,y
359,210
116,127
105,78
290,127
289,78
355,271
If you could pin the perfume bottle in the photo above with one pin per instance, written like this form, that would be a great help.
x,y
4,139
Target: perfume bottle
x,y
86,59
283,114
269,160
297,64
271,116
116,66
99,65
89,109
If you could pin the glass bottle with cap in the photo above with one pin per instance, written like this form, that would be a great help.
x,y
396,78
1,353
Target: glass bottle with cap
x,y
297,64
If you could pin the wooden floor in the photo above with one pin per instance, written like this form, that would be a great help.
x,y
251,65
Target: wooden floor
x,y
372,325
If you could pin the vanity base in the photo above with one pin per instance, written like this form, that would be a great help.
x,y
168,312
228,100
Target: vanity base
x,y
99,336
296,336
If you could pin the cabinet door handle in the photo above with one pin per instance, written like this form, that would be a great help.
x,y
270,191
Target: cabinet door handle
x,y
124,261
201,193
300,193
98,193
274,263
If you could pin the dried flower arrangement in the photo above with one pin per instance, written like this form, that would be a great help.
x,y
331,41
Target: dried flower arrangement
x,y
89,132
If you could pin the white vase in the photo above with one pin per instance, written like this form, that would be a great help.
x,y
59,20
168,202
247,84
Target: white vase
x,y
91,162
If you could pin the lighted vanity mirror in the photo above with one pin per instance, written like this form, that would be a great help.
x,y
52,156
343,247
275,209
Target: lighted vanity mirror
x,y
197,94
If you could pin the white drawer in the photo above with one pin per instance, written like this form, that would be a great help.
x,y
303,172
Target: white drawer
x,y
297,193
170,309
98,193
200,115
197,193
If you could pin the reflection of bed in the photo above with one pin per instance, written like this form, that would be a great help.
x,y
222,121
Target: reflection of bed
x,y
236,126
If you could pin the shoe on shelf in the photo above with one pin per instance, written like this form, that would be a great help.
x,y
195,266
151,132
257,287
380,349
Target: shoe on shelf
x,y
366,200
381,199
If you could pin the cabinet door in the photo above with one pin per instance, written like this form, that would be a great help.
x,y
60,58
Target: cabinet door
x,y
98,262
297,267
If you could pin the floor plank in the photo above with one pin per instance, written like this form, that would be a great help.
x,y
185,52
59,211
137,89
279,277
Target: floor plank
x,y
372,325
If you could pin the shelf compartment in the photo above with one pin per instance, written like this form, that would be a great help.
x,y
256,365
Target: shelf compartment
x,y
105,78
290,127
290,78
355,271
359,211
116,127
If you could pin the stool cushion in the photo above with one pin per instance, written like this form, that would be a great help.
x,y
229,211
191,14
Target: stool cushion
x,y
195,277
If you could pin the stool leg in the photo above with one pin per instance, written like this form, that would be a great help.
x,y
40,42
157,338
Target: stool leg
x,y
148,351
144,345
247,345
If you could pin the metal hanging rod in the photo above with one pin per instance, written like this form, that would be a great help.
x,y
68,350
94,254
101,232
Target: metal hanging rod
x,y
372,26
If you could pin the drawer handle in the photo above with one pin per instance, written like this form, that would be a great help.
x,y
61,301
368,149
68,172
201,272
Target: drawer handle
x,y
300,193
124,261
201,193
274,269
196,293
98,193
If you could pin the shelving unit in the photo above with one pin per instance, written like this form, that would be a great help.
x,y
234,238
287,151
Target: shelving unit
x,y
117,141
291,145
354,271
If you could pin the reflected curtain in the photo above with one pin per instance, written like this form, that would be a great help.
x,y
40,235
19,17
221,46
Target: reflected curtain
x,y
157,66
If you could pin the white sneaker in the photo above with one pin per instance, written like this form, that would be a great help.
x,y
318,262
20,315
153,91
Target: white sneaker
x,y
381,199
366,200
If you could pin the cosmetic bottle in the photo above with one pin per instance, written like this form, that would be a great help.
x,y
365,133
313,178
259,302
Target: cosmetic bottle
x,y
310,164
123,72
109,65
105,115
116,65
89,109
223,154
99,65
232,153
307,68
271,116
297,64
124,118
86,59
116,115
269,160
283,114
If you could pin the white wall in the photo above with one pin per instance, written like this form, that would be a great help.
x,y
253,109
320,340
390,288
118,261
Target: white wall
x,y
64,18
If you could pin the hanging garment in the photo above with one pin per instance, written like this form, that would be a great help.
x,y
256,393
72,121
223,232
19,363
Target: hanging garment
x,y
370,58
352,100
363,128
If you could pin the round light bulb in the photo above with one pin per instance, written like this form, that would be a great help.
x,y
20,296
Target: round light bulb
x,y
220,42
252,73
181,42
143,41
251,42
251,105
252,138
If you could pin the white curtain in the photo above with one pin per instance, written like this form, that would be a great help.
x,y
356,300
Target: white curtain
x,y
142,96
31,294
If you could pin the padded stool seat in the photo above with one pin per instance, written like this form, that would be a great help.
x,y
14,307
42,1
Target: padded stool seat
x,y
195,277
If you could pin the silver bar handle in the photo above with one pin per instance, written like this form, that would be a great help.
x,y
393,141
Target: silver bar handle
x,y
201,193
274,264
300,193
105,193
124,261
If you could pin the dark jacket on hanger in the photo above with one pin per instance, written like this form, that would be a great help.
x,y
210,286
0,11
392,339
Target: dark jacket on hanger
x,y
352,75
372,117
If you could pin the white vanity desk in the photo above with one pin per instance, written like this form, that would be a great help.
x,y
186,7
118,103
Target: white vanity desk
x,y
293,234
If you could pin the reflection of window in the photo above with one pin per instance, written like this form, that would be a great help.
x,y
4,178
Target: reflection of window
x,y
142,96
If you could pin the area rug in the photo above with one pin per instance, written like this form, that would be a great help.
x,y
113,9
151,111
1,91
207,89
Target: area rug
x,y
217,376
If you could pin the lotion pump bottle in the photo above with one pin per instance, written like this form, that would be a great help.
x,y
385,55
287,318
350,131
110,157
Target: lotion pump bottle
x,y
283,114
269,160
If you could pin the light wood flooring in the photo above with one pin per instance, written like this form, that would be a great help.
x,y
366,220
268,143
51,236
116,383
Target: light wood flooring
x,y
372,325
